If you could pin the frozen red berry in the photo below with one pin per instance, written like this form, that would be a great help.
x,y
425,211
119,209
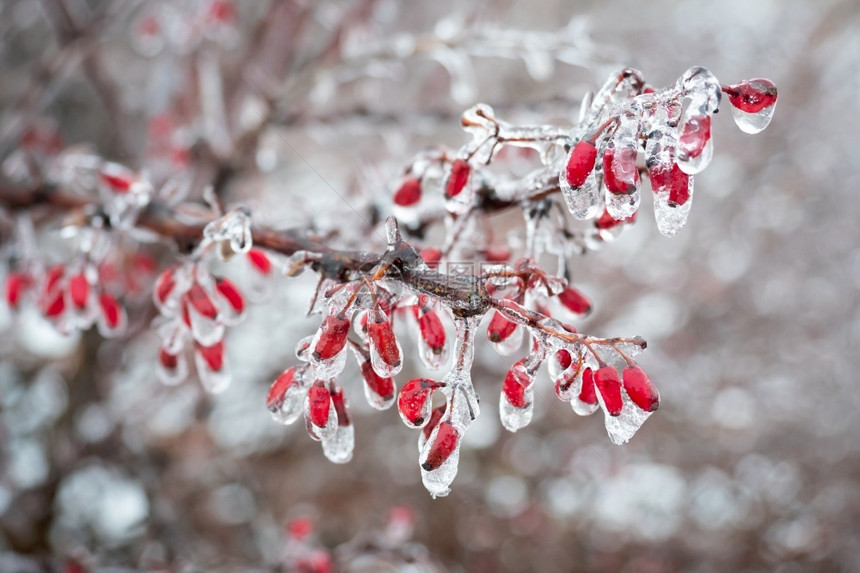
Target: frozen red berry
x,y
574,301
580,163
641,390
607,383
409,192
413,402
458,178
446,442
332,339
500,328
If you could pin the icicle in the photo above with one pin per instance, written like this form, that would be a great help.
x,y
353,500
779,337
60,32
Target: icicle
x,y
339,447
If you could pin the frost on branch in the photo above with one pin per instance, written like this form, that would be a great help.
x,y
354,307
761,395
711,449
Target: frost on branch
x,y
584,187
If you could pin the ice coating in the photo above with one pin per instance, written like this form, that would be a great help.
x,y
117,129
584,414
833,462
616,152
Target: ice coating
x,y
582,202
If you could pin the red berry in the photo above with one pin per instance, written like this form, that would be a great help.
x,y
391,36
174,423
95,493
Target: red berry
x,y
607,383
319,399
199,299
409,192
413,397
672,179
79,290
696,134
437,414
517,381
340,407
111,310
641,390
260,261
278,389
53,277
56,305
382,387
118,183
460,171
168,360
588,394
213,355
580,163
301,527
564,359
381,335
431,257
500,328
574,301
16,285
619,170
164,285
432,331
752,96
231,294
335,329
447,439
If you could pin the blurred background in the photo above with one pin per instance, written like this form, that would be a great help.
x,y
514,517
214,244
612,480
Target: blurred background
x,y
750,313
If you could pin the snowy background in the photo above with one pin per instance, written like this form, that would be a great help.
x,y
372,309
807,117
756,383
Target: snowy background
x,y
751,315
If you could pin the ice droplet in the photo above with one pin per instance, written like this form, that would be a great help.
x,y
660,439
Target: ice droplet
x,y
752,123
621,206
339,448
582,202
213,381
512,417
622,427
671,217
